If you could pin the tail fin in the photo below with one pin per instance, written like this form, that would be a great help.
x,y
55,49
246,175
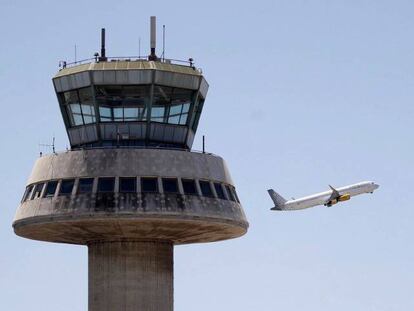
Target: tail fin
x,y
277,199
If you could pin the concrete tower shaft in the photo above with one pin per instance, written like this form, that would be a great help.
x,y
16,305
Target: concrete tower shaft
x,y
130,276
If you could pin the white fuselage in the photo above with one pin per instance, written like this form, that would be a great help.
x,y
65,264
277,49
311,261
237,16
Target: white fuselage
x,y
323,197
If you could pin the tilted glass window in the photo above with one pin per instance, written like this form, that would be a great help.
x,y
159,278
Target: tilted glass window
x,y
233,190
219,191
106,184
50,189
122,114
170,185
122,103
88,113
38,190
149,184
133,114
79,106
171,105
189,186
230,194
66,186
27,193
127,184
158,113
105,114
75,114
178,113
206,189
196,115
85,185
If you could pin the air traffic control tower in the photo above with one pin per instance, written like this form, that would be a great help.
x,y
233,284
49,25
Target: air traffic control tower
x,y
130,188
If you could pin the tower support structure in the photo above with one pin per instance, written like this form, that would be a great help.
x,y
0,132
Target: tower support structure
x,y
130,276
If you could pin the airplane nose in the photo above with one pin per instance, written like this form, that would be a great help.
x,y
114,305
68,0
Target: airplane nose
x,y
376,186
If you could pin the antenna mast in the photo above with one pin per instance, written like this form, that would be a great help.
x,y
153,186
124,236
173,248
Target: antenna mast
x,y
139,47
163,42
103,54
153,39
49,145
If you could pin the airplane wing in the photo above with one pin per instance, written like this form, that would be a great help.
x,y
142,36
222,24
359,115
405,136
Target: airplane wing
x,y
335,194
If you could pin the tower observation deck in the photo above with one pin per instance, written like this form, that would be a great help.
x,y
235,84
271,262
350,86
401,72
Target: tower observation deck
x,y
130,188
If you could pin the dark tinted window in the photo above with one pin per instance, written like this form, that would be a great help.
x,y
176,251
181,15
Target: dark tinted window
x,y
149,184
235,194
170,185
206,189
106,184
127,184
66,186
38,190
27,193
85,185
51,188
189,186
230,194
219,191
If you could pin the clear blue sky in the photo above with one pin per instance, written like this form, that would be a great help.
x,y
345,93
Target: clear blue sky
x,y
302,94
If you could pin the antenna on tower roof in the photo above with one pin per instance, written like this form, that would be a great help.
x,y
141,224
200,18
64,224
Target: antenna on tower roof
x,y
163,43
139,47
103,54
153,56
49,145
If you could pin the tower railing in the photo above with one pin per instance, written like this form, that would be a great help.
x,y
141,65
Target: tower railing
x,y
131,147
186,63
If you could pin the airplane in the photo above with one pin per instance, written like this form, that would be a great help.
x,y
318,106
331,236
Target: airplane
x,y
327,198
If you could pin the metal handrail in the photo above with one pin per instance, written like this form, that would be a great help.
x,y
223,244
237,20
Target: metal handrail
x,y
133,147
96,59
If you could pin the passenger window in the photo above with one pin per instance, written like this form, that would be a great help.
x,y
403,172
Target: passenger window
x,y
170,185
206,189
127,184
149,184
189,186
27,193
219,191
106,184
85,185
50,189
66,187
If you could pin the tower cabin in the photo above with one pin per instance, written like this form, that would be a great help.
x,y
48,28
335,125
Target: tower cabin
x,y
114,102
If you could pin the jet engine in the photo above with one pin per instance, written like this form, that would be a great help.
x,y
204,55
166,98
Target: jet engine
x,y
344,197
331,202
341,198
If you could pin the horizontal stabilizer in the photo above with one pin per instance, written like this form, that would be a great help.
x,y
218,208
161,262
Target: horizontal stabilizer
x,y
277,199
